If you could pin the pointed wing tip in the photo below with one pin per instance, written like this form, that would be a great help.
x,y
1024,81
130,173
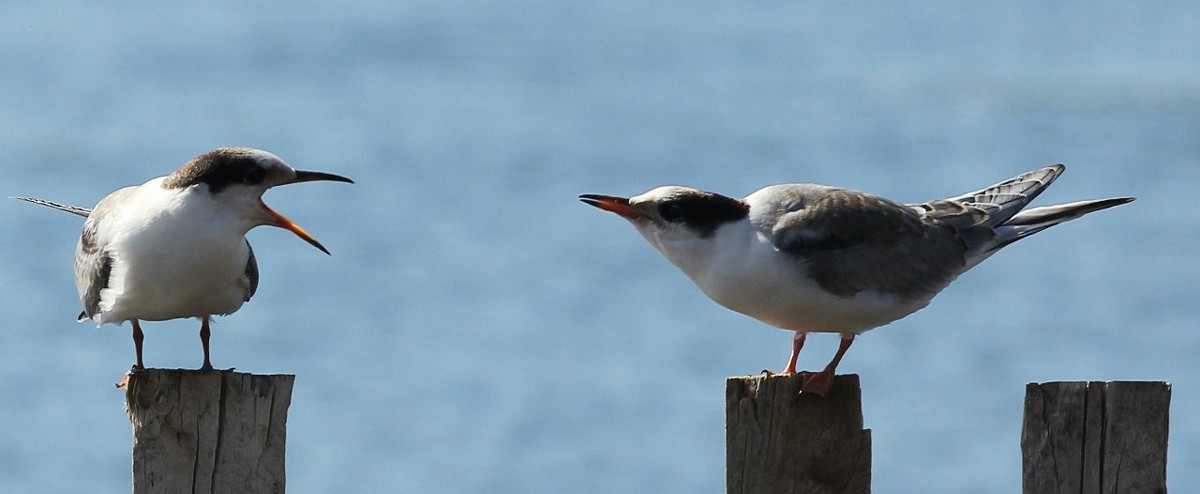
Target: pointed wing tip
x,y
1053,170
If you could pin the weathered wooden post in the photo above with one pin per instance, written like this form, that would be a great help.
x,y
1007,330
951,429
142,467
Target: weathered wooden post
x,y
207,431
1095,437
778,440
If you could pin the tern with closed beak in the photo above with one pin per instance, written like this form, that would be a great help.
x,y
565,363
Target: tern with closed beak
x,y
813,258
175,246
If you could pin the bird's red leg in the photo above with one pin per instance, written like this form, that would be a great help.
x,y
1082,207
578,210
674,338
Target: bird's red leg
x,y
790,368
821,382
138,337
797,344
204,333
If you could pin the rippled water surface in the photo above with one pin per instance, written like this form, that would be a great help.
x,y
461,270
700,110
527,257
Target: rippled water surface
x,y
477,329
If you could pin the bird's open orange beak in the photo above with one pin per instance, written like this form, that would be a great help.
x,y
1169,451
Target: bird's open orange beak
x,y
282,221
619,205
289,225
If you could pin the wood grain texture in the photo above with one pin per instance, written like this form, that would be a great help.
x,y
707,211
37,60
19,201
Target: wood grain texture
x,y
207,431
1097,437
779,441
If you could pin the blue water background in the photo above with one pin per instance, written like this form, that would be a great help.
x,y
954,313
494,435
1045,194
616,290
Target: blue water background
x,y
477,329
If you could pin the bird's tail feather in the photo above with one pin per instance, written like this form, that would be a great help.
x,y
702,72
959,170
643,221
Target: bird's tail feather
x,y
61,207
1031,221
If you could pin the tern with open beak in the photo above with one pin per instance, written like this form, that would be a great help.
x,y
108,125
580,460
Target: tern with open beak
x,y
175,246
813,258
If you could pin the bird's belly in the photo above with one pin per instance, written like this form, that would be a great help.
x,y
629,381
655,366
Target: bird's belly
x,y
161,303
785,300
173,282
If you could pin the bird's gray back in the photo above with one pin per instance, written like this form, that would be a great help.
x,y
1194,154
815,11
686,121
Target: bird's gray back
x,y
851,242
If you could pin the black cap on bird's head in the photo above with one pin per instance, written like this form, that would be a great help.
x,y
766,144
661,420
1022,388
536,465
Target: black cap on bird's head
x,y
253,171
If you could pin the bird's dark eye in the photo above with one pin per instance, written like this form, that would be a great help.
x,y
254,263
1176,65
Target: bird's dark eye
x,y
671,211
254,175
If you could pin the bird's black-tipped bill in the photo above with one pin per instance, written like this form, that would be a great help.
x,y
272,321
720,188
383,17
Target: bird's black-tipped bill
x,y
613,204
282,221
307,176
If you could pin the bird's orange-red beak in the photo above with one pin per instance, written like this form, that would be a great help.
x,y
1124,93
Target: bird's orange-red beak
x,y
289,225
282,221
619,205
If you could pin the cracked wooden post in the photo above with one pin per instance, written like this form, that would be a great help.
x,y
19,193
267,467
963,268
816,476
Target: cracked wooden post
x,y
1095,437
207,431
778,440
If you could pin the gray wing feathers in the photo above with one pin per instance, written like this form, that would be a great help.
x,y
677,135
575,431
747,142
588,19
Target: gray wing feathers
x,y
93,262
1006,220
251,273
93,272
853,242
993,217
93,267
1005,199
